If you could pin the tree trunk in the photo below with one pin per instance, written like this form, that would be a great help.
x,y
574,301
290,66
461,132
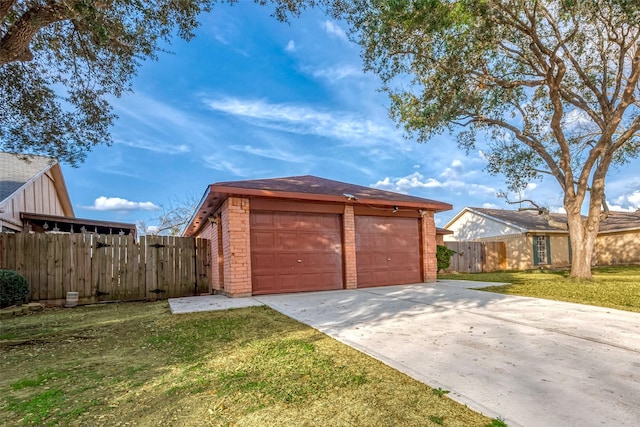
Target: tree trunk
x,y
580,256
583,234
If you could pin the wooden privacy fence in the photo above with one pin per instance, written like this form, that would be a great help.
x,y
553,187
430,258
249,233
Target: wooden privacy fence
x,y
107,267
477,257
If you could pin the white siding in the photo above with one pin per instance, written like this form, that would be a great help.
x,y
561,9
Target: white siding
x,y
471,226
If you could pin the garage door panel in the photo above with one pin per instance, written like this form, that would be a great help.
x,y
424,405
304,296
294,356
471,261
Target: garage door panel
x,y
263,240
387,251
286,260
262,261
262,219
264,282
286,240
313,239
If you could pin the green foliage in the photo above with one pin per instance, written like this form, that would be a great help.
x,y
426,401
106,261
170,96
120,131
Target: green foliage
x,y
39,407
61,61
14,288
548,87
436,419
440,392
443,256
497,422
615,287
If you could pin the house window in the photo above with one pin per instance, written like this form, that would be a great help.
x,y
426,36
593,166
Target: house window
x,y
541,250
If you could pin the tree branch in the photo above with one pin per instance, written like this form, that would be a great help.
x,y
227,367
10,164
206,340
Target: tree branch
x,y
531,143
14,45
5,6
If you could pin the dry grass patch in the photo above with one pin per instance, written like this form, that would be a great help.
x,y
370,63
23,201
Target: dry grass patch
x,y
137,364
613,287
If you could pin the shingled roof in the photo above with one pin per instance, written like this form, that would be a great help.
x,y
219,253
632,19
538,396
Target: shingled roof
x,y
620,221
17,170
313,185
306,188
532,221
525,220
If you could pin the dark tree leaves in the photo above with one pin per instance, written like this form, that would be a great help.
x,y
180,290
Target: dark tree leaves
x,y
60,60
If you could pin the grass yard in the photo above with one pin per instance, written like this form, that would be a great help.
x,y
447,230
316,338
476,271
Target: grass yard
x,y
614,287
136,364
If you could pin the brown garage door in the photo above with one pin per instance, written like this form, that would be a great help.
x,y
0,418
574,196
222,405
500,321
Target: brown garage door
x,y
293,252
387,251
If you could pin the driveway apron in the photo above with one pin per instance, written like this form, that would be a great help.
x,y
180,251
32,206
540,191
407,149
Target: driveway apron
x,y
529,361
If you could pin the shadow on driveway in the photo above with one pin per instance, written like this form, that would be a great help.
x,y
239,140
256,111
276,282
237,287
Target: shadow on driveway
x,y
533,362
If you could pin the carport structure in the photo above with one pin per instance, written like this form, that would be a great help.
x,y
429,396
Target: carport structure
x,y
306,233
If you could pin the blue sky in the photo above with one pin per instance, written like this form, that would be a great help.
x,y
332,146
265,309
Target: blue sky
x,y
250,97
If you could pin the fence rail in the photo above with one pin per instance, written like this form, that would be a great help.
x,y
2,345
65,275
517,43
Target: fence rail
x,y
477,257
107,267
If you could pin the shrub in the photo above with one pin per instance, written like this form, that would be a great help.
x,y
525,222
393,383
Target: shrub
x,y
443,255
14,288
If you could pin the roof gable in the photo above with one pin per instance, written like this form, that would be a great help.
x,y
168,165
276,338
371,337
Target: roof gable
x,y
17,170
313,185
307,188
527,220
533,222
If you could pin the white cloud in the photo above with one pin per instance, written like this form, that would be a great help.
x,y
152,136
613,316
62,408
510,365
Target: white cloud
x,y
334,29
576,118
291,46
271,153
490,206
417,180
626,202
619,208
155,146
305,120
333,74
218,164
455,170
103,203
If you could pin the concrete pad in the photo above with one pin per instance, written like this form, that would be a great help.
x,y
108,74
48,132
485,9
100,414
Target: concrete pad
x,y
209,303
533,362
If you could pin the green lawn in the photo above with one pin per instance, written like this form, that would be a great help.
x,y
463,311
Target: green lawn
x,y
614,287
137,364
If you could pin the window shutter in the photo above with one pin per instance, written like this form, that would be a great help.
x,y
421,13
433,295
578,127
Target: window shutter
x,y
549,250
535,250
570,250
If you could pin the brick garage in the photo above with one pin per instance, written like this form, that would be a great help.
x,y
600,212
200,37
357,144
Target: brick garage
x,y
307,233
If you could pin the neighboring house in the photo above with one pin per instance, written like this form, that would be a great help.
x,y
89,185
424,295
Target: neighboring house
x,y
306,233
618,241
34,197
534,240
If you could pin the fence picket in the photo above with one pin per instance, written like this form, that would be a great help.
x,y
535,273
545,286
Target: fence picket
x,y
55,264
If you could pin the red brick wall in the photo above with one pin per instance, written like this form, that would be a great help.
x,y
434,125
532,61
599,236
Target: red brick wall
x,y
429,262
236,247
349,248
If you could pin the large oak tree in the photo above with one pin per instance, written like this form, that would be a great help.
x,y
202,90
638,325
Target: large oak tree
x,y
60,60
551,84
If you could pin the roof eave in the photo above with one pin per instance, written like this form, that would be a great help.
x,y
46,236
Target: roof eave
x,y
484,215
216,194
61,189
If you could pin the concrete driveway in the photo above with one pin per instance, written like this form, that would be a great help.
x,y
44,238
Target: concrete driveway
x,y
532,362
